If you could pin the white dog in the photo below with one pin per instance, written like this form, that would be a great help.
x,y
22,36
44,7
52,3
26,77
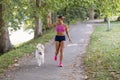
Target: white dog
x,y
39,54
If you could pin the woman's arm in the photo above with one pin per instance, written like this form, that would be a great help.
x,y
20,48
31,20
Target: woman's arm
x,y
67,32
51,25
49,22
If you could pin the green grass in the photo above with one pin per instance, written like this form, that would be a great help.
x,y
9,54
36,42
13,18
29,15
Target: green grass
x,y
103,54
27,48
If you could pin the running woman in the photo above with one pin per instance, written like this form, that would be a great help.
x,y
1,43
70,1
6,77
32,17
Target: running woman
x,y
61,31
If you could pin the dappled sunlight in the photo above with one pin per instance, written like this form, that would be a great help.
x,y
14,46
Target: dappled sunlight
x,y
21,36
72,44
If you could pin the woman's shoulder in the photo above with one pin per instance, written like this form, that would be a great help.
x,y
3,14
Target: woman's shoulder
x,y
65,25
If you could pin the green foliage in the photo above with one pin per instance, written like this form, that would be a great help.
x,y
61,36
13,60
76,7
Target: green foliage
x,y
15,12
18,12
109,7
102,56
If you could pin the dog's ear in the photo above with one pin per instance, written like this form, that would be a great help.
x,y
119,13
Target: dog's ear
x,y
43,47
38,45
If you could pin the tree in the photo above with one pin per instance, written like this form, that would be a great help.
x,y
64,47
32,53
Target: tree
x,y
5,44
9,11
38,22
91,13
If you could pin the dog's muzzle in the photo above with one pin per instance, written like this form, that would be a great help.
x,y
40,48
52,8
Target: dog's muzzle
x,y
40,53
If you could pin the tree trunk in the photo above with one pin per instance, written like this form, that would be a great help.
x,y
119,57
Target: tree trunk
x,y
108,24
54,14
38,28
118,19
5,44
91,14
38,23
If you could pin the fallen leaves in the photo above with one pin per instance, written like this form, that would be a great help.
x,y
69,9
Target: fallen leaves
x,y
115,76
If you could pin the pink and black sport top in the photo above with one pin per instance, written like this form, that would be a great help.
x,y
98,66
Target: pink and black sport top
x,y
60,28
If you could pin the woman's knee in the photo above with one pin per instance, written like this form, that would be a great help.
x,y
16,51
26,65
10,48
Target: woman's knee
x,y
57,46
61,50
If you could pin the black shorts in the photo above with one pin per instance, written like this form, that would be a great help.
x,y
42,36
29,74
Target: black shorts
x,y
60,38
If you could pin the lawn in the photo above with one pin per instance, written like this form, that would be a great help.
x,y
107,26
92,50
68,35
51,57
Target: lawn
x,y
27,48
103,55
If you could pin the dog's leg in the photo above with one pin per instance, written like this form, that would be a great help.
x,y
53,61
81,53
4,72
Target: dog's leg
x,y
42,59
39,62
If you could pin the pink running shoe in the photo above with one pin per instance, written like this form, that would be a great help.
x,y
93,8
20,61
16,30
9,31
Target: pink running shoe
x,y
55,58
60,65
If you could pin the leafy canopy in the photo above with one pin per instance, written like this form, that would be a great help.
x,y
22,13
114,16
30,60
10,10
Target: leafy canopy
x,y
17,12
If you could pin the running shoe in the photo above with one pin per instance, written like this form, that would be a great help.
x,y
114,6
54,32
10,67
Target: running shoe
x,y
60,65
55,58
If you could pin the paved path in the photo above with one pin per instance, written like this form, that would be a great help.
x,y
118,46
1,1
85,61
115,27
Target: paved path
x,y
72,69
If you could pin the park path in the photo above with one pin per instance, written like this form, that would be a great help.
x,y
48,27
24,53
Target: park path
x,y
73,68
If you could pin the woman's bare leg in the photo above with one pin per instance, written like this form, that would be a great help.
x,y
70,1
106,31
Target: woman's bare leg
x,y
57,45
62,46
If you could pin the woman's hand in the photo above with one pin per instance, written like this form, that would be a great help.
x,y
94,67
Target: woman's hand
x,y
70,40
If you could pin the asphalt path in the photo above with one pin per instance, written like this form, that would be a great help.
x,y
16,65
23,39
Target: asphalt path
x,y
73,68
